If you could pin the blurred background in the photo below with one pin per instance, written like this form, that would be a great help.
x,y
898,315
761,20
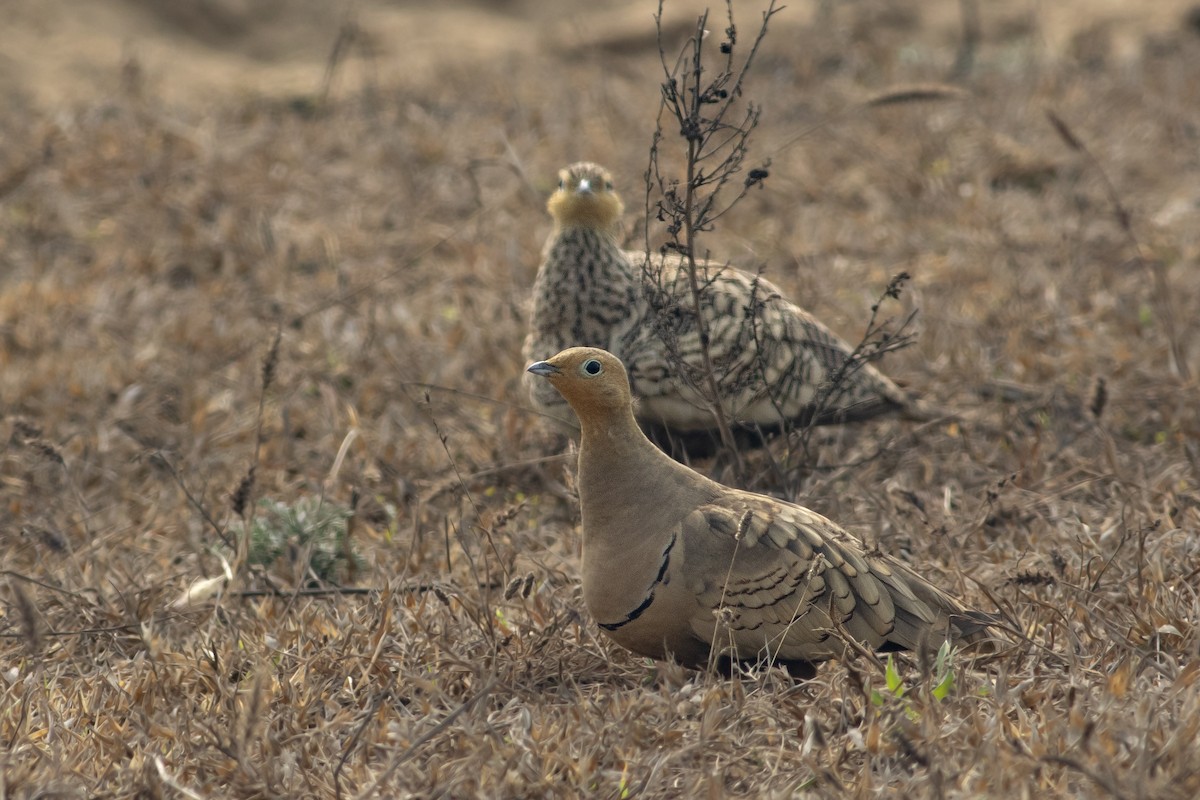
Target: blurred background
x,y
198,51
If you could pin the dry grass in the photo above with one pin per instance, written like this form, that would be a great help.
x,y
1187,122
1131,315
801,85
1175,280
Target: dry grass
x,y
151,255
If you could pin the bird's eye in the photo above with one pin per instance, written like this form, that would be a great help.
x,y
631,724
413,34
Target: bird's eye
x,y
608,186
561,183
592,367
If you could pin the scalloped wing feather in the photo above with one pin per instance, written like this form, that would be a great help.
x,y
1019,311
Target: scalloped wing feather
x,y
773,357
791,578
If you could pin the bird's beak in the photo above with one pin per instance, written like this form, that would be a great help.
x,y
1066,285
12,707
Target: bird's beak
x,y
584,187
543,368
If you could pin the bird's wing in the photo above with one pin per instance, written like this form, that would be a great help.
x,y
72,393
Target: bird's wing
x,y
773,359
773,576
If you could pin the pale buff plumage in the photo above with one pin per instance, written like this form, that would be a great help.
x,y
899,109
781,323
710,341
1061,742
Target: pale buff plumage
x,y
774,361
677,565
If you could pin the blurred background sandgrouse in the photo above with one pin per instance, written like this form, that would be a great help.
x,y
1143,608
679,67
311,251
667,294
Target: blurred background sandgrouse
x,y
774,362
678,566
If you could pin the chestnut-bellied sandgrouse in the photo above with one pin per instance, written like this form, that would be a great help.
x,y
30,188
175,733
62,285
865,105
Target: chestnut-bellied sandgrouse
x,y
774,362
679,566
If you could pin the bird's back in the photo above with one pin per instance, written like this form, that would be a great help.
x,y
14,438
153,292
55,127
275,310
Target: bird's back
x,y
774,362
786,582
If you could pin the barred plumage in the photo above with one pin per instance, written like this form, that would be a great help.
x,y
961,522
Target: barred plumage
x,y
678,566
774,361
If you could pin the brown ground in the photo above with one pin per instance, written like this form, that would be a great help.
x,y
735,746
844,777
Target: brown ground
x,y
177,189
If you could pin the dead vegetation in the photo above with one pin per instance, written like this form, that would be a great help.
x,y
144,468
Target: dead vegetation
x,y
152,253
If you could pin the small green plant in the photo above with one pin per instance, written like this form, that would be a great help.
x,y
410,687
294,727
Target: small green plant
x,y
311,533
943,676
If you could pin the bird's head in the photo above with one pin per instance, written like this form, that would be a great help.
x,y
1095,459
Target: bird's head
x,y
591,380
585,198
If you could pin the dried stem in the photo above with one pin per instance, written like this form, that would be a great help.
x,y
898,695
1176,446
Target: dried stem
x,y
1154,268
714,153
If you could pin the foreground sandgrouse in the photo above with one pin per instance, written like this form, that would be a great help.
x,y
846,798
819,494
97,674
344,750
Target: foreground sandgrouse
x,y
774,361
677,565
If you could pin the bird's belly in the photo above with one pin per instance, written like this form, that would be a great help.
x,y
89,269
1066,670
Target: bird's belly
x,y
660,639
642,606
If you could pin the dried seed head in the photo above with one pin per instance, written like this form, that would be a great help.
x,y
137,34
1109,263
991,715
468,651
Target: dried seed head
x,y
270,361
757,176
27,613
1099,397
241,495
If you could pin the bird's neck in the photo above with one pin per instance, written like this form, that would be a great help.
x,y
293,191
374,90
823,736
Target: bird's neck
x,y
611,434
586,249
617,463
585,287
589,256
